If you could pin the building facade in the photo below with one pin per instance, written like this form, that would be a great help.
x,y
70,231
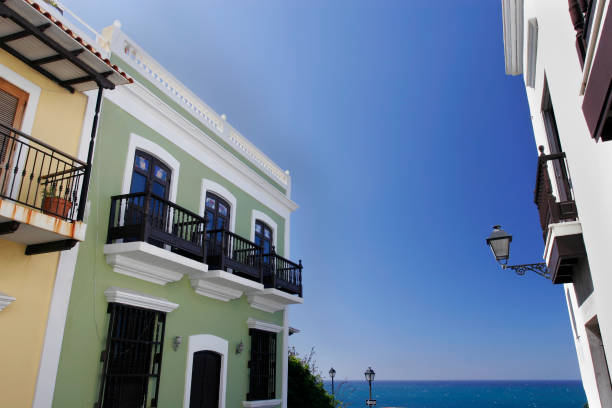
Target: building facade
x,y
564,51
179,293
45,133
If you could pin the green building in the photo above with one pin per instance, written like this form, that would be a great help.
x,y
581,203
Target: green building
x,y
178,296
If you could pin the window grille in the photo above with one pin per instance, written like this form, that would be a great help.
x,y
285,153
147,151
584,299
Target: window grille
x,y
132,359
262,367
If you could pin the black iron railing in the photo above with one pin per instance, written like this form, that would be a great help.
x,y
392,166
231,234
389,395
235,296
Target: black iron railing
x,y
281,273
232,253
37,175
149,218
550,209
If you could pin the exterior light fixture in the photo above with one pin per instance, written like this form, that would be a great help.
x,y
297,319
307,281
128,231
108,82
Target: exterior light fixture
x,y
239,347
177,342
369,375
499,242
332,374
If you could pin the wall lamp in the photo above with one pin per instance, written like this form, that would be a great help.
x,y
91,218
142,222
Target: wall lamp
x,y
239,347
177,342
499,242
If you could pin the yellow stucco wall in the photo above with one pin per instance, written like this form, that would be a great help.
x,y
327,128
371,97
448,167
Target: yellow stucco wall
x,y
30,279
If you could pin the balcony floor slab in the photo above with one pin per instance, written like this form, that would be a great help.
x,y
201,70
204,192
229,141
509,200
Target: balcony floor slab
x,y
221,285
272,300
150,263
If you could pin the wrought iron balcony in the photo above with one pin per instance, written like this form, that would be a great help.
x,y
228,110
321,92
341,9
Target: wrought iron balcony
x,y
232,253
551,210
283,274
37,175
148,218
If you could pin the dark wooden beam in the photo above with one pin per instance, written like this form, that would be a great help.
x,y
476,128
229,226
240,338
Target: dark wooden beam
x,y
42,71
23,34
47,247
87,78
54,58
8,227
100,79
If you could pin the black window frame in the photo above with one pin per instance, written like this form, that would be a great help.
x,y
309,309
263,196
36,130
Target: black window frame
x,y
213,220
137,335
262,365
148,175
262,234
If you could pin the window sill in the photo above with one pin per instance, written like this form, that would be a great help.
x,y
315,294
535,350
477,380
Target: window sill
x,y
261,403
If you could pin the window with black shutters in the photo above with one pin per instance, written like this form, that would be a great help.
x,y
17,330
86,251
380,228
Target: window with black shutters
x,y
262,366
132,359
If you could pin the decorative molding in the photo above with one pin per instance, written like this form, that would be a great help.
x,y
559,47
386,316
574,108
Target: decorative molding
x,y
5,300
261,403
258,215
148,108
144,261
222,285
272,300
147,66
512,16
265,326
200,342
218,189
130,297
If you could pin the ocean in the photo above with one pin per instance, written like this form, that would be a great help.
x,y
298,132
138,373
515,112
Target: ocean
x,y
462,394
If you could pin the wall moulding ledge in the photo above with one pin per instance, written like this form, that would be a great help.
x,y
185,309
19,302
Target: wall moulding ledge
x,y
130,297
5,300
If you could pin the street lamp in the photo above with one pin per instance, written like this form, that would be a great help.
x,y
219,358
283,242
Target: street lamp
x,y
369,375
332,374
499,242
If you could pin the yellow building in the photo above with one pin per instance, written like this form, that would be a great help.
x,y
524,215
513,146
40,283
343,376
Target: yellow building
x,y
48,122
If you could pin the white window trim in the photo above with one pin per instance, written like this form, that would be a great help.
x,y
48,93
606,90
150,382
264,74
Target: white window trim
x,y
265,326
258,215
261,403
201,342
218,189
132,298
34,95
532,52
140,143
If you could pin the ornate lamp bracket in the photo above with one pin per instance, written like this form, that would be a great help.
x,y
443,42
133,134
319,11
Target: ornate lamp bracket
x,y
539,268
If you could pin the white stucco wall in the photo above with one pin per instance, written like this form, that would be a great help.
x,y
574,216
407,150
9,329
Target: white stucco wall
x,y
589,162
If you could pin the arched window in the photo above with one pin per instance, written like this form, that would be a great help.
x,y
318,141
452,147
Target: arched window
x,y
264,236
150,173
217,212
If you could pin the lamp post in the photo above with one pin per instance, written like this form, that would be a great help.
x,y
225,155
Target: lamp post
x,y
369,375
332,374
499,242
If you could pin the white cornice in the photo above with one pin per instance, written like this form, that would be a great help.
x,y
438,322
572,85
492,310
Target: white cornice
x,y
265,326
133,298
272,300
261,403
150,263
222,285
199,140
512,16
5,300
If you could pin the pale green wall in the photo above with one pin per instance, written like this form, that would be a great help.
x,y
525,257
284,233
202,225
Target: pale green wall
x,y
79,370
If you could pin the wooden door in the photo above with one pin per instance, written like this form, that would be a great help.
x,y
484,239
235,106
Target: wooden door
x,y
12,107
205,380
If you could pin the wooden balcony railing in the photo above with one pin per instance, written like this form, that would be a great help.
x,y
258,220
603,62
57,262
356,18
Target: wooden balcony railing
x,y
281,273
552,210
37,175
232,253
149,218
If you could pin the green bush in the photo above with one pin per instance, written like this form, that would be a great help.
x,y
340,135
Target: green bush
x,y
305,387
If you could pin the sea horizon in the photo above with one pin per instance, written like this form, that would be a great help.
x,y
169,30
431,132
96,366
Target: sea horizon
x,y
461,393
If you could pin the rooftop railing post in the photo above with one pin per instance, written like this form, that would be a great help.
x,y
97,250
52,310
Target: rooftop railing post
x,y
87,175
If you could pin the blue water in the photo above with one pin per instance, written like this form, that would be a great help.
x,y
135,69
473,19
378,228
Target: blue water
x,y
463,394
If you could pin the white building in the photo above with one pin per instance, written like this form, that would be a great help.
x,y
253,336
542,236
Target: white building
x,y
565,56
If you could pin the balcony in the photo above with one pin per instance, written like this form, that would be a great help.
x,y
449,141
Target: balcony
x,y
153,239
561,229
41,193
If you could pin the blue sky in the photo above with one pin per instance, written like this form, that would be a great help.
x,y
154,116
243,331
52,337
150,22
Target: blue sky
x,y
406,142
